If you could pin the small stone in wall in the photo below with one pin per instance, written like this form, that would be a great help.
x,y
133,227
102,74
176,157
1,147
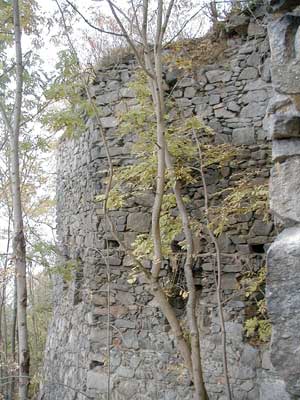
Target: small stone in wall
x,y
248,73
218,76
232,106
260,228
109,122
189,92
243,136
139,222
256,29
214,99
254,110
237,24
223,113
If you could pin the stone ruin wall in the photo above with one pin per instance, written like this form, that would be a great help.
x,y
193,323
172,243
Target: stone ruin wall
x,y
283,281
232,97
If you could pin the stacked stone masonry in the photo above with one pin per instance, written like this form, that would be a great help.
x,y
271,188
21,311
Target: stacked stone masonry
x,y
232,97
283,116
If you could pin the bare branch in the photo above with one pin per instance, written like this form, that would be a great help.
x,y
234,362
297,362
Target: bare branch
x,y
92,25
168,14
129,40
5,118
183,27
218,259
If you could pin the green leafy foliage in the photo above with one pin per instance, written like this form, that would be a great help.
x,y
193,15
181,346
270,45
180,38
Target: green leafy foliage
x,y
70,105
66,270
257,327
243,197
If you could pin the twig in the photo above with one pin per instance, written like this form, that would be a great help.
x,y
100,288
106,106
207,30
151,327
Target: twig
x,y
92,25
219,273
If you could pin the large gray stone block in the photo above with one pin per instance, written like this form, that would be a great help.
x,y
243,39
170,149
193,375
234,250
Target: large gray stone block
x,y
282,149
283,299
283,4
285,191
283,126
285,62
273,390
282,118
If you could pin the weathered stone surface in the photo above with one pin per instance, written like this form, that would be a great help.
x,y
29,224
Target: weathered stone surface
x,y
284,126
223,113
285,67
107,98
256,29
253,110
190,92
232,106
238,24
281,111
266,70
273,390
285,190
283,299
127,92
282,5
172,76
214,99
109,122
243,136
248,73
97,382
139,222
254,96
283,149
218,76
260,228
254,59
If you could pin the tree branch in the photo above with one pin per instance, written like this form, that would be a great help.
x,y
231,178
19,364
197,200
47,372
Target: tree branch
x,y
92,25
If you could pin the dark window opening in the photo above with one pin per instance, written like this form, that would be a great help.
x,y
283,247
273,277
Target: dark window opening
x,y
94,364
257,248
175,246
111,244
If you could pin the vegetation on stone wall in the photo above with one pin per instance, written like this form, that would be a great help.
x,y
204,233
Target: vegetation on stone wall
x,y
171,152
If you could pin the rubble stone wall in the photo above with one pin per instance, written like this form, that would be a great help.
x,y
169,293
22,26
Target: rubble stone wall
x,y
232,97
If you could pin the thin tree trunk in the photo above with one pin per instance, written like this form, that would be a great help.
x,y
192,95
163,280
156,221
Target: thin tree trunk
x,y
19,249
13,339
200,390
219,272
3,325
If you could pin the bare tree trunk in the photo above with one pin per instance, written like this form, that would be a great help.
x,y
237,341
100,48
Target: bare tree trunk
x,y
19,249
3,324
13,338
219,272
200,391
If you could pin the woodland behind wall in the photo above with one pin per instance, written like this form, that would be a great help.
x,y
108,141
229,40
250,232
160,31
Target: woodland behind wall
x,y
232,96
